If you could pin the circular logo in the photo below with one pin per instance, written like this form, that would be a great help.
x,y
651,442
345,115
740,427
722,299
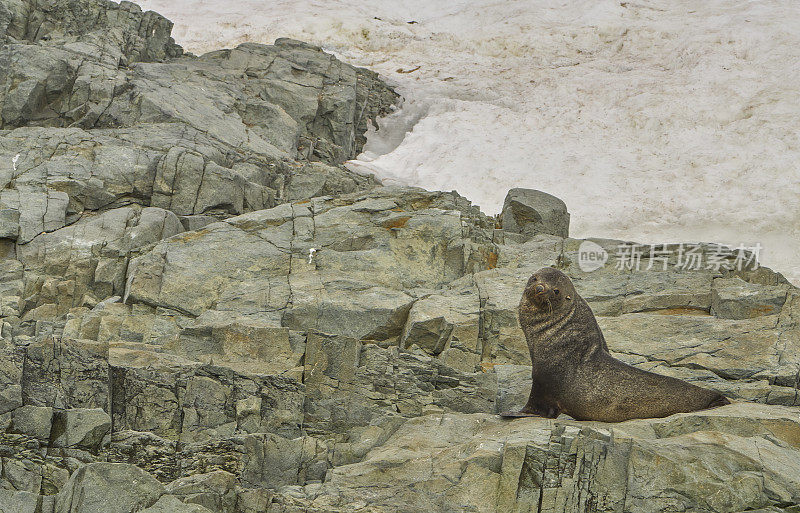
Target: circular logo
x,y
591,256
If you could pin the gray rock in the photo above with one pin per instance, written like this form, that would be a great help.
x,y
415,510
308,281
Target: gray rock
x,y
147,451
503,340
91,255
319,179
22,464
9,223
453,462
114,322
19,502
245,345
33,421
258,460
12,361
733,298
433,321
38,211
253,500
214,490
108,488
145,36
219,481
208,404
82,428
542,250
195,403
66,374
220,190
531,212
97,132
194,223
349,284
172,504
349,386
145,397
513,387
10,398
732,350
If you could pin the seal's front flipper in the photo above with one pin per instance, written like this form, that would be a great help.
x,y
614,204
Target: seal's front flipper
x,y
518,414
533,408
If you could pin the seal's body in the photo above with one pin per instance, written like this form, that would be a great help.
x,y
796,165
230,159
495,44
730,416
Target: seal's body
x,y
574,373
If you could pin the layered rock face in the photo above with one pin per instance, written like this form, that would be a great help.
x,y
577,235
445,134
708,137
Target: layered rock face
x,y
202,310
99,112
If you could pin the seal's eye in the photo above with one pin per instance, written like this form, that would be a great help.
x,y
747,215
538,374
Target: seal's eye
x,y
555,291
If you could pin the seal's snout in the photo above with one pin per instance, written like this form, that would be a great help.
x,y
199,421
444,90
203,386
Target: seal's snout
x,y
540,293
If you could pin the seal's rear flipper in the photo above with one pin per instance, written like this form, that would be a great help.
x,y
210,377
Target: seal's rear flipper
x,y
719,401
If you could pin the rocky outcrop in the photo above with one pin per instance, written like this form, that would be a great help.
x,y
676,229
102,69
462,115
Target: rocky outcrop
x,y
202,310
478,462
291,355
99,109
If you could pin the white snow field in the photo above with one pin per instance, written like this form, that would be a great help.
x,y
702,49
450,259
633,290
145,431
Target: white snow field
x,y
654,120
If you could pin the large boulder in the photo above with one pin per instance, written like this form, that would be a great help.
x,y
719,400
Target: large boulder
x,y
447,325
532,212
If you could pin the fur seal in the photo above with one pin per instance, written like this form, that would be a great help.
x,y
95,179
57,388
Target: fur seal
x,y
574,373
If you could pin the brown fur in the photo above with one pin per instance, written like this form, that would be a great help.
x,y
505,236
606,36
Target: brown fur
x,y
574,373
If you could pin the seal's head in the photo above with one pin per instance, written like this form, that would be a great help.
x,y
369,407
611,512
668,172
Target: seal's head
x,y
548,291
